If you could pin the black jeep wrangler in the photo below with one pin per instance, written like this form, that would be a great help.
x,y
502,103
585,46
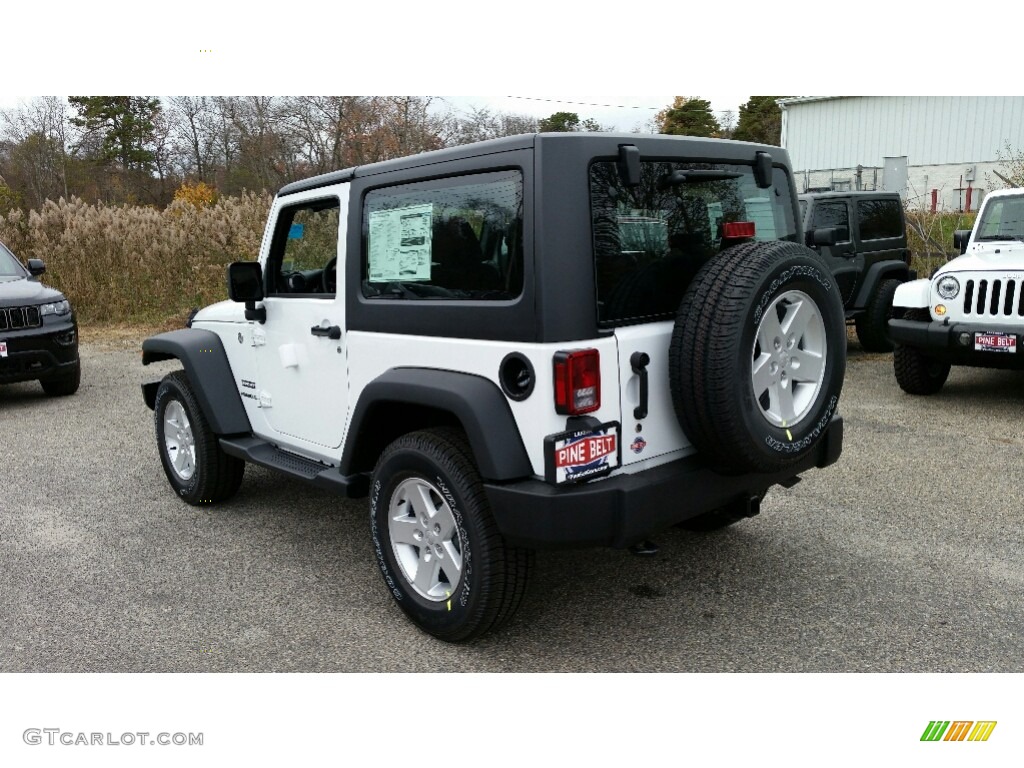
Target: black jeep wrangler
x,y
867,253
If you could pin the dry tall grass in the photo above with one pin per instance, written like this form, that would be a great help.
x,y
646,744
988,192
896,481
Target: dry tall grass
x,y
133,264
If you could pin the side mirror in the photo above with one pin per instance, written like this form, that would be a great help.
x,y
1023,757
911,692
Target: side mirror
x,y
245,283
36,267
823,236
961,238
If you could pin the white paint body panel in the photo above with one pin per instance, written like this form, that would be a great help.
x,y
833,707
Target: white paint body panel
x,y
913,294
307,387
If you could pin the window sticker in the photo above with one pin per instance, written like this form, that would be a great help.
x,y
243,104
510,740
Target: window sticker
x,y
400,243
296,231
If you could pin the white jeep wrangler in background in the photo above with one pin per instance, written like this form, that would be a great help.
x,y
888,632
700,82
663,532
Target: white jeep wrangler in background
x,y
539,341
971,311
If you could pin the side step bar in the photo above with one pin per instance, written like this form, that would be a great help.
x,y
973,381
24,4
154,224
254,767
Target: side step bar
x,y
263,453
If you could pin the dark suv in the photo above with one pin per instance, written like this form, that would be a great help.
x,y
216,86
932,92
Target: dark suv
x,y
867,253
38,331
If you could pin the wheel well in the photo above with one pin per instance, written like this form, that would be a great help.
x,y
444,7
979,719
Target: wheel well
x,y
386,421
877,273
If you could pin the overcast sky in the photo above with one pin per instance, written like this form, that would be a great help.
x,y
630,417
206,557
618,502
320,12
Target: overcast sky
x,y
622,113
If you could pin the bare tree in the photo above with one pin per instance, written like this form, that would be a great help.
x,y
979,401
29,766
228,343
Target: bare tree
x,y
38,135
194,134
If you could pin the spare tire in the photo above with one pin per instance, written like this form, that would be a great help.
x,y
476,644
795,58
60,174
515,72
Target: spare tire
x,y
757,356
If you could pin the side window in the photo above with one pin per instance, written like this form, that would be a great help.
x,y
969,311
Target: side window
x,y
304,250
457,238
833,214
879,219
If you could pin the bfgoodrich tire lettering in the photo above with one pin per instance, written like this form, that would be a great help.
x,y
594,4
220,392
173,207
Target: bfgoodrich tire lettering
x,y
426,499
758,355
193,461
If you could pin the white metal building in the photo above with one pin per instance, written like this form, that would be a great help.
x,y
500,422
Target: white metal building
x,y
938,151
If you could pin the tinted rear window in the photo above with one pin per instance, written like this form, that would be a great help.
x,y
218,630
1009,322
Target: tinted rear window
x,y
650,240
880,219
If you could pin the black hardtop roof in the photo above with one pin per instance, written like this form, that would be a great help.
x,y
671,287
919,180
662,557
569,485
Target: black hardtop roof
x,y
648,143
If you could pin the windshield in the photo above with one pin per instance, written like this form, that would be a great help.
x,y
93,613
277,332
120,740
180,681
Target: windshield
x,y
1002,219
651,239
9,266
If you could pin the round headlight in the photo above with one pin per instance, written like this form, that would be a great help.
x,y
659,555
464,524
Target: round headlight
x,y
948,287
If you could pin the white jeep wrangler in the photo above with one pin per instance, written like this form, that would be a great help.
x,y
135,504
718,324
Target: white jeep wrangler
x,y
538,341
971,311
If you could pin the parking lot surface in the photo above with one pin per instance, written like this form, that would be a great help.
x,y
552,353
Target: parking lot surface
x,y
904,557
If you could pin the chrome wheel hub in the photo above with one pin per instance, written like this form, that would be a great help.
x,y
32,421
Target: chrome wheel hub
x,y
425,539
789,359
179,443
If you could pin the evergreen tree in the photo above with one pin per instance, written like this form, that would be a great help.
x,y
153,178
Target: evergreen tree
x,y
688,117
760,121
566,122
124,126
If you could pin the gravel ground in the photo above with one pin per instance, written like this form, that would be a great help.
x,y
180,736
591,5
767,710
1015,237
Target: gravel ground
x,y
904,557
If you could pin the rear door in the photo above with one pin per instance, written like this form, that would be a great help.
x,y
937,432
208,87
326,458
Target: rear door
x,y
650,242
882,229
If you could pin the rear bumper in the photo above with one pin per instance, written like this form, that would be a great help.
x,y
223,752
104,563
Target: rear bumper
x,y
954,343
625,509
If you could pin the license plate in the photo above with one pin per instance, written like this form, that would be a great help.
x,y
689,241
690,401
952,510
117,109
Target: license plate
x,y
995,342
3,349
580,455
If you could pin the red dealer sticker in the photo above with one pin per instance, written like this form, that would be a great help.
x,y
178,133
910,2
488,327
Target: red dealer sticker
x,y
581,454
995,342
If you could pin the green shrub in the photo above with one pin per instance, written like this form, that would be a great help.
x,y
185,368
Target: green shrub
x,y
137,264
930,238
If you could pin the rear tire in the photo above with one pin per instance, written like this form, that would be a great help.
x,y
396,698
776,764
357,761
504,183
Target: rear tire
x,y
873,324
916,373
192,459
438,548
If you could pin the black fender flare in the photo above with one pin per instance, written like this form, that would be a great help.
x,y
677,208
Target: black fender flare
x,y
876,273
206,364
474,401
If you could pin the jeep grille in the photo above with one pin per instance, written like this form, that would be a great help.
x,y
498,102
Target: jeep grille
x,y
16,318
994,298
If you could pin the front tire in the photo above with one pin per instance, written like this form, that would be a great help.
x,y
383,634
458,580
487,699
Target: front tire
x,y
872,326
438,548
64,385
196,467
916,373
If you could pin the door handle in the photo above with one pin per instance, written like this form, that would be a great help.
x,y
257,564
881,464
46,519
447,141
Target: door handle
x,y
330,331
639,361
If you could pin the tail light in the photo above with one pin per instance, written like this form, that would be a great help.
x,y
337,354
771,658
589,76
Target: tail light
x,y
738,229
577,381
